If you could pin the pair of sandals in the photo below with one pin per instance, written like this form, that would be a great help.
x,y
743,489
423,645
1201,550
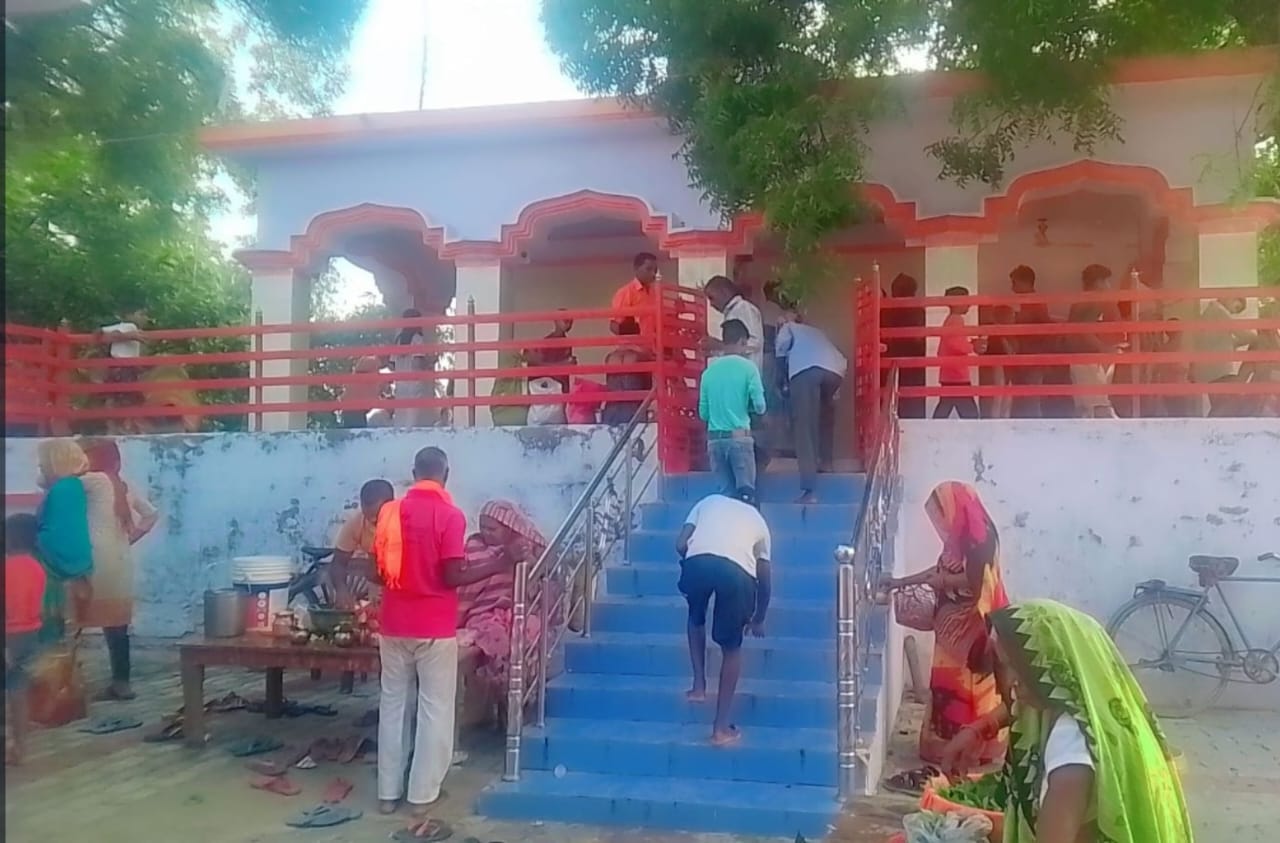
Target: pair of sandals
x,y
912,782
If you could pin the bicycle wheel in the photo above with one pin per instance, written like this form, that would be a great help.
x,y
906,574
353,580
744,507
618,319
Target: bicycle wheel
x,y
1184,681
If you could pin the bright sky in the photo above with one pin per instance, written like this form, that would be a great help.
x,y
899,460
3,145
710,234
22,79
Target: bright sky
x,y
478,52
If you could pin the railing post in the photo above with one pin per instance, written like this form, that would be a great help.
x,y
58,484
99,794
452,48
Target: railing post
x,y
256,368
471,361
544,647
516,674
873,320
60,424
589,563
847,678
627,504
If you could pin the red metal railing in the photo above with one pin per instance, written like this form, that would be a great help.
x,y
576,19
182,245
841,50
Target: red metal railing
x,y
59,382
1154,352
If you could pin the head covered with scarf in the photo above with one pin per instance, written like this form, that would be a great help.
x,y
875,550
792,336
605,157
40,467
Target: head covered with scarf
x,y
1061,662
60,458
959,517
104,456
501,521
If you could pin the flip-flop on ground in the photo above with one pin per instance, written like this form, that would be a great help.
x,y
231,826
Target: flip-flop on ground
x,y
323,816
254,746
424,831
110,725
280,785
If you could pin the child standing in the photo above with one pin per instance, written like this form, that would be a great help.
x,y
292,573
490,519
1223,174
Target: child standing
x,y
730,392
24,584
953,367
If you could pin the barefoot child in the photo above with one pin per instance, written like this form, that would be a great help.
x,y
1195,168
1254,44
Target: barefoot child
x,y
24,582
724,552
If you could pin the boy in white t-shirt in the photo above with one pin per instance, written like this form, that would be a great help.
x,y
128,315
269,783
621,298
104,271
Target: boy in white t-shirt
x,y
724,549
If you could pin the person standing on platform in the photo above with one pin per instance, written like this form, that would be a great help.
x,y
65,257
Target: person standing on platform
x,y
812,376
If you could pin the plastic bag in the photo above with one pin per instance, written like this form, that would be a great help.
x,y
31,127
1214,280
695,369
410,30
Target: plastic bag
x,y
928,827
914,606
540,414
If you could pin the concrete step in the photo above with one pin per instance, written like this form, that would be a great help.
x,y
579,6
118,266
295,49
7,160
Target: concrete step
x,y
790,619
693,804
681,750
772,487
838,519
667,654
791,550
811,583
783,703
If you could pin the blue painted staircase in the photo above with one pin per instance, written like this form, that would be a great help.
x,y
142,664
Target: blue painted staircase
x,y
634,752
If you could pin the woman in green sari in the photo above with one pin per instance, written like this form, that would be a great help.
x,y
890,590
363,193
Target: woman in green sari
x,y
1087,761
62,541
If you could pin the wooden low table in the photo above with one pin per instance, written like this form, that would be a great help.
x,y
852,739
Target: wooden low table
x,y
261,652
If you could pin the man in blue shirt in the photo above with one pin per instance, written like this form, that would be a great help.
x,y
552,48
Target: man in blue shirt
x,y
730,392
812,375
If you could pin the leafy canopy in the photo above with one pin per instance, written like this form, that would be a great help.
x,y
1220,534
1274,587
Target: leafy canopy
x,y
107,194
774,97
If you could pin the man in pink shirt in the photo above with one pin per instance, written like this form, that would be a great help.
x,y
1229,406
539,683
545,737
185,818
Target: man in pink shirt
x,y
418,545
954,369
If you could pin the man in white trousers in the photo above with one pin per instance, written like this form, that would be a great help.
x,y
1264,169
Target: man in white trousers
x,y
418,545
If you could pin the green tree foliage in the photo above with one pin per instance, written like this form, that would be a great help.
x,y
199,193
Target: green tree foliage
x,y
774,97
107,194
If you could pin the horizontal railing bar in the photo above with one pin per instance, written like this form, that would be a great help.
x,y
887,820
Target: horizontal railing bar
x,y
1117,295
1056,328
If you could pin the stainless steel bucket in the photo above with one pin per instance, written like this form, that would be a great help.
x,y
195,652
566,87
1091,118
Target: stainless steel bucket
x,y
225,613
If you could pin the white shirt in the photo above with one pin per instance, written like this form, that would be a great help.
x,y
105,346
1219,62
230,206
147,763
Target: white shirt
x,y
748,314
124,348
805,347
727,527
1066,747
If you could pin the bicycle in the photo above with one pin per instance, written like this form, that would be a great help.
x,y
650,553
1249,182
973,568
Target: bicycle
x,y
1200,657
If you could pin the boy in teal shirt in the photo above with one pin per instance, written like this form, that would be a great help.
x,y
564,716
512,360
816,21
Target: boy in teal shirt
x,y
730,392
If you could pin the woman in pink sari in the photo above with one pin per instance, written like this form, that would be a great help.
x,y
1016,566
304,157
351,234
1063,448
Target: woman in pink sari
x,y
485,608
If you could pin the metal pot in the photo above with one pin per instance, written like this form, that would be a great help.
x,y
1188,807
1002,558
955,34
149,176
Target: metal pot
x,y
225,612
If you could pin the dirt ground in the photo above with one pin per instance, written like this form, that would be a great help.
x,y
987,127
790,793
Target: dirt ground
x,y
118,789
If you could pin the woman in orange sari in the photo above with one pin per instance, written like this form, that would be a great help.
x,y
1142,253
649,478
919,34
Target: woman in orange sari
x,y
967,586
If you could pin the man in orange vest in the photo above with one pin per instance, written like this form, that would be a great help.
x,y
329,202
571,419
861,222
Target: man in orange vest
x,y
418,546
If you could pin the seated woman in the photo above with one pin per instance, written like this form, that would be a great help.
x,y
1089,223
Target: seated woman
x,y
485,608
1087,761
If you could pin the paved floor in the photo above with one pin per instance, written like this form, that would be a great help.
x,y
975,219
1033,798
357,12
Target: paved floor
x,y
117,789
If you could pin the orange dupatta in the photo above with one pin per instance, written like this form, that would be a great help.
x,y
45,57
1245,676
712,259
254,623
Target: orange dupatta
x,y
388,538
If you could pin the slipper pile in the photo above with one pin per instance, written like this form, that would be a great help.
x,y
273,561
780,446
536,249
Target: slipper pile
x,y
293,709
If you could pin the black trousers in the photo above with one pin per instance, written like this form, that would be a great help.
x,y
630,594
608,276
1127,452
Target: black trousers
x,y
965,406
813,413
117,638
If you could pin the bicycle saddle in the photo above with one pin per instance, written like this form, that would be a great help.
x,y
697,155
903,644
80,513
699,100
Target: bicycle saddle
x,y
316,553
1213,568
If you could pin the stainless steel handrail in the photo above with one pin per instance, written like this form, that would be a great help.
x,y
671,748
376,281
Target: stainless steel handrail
x,y
545,588
860,565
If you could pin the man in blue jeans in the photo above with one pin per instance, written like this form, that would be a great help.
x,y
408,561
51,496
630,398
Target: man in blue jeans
x,y
731,390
